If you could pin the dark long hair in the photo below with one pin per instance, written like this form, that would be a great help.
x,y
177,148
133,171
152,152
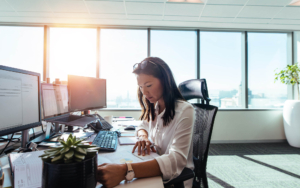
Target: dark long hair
x,y
159,69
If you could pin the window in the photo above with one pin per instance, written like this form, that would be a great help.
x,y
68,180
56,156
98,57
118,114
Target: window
x,y
22,47
221,66
179,50
266,52
72,51
119,51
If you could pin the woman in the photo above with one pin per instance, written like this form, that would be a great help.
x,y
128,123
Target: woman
x,y
167,120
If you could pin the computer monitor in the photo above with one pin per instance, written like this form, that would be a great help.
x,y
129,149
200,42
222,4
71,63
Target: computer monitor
x,y
19,100
55,100
86,93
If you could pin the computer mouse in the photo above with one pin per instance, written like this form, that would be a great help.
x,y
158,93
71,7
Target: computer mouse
x,y
130,127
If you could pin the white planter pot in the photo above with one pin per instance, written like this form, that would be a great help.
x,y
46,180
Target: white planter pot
x,y
291,121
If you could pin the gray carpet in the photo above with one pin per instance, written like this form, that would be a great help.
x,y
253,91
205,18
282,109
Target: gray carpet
x,y
253,165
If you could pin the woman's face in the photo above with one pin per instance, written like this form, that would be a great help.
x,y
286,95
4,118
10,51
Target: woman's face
x,y
150,86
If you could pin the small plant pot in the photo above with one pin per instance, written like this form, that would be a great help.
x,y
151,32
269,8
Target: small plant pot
x,y
73,175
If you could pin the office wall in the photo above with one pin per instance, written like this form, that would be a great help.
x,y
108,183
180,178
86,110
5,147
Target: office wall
x,y
237,126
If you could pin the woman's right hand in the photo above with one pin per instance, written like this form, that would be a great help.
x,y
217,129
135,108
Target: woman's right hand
x,y
142,143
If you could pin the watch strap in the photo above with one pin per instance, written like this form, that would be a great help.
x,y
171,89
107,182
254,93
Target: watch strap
x,y
129,167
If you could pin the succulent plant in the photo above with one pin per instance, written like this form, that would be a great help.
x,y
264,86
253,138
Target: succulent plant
x,y
71,150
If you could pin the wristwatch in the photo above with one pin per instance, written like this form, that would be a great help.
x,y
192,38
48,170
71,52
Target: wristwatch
x,y
130,173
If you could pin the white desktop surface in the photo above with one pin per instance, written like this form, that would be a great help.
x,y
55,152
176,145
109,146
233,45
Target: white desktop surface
x,y
121,150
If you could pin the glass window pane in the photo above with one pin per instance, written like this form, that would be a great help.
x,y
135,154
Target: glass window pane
x,y
266,52
22,47
220,65
179,50
120,49
72,51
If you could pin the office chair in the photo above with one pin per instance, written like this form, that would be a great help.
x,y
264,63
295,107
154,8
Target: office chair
x,y
205,116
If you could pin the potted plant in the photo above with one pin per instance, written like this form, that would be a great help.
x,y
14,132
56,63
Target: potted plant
x,y
73,164
291,109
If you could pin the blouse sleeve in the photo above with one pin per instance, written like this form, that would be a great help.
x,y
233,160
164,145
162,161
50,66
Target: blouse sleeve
x,y
144,125
172,164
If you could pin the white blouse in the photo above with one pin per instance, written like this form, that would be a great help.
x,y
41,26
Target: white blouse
x,y
173,142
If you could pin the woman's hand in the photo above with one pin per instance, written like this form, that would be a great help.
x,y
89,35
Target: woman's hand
x,y
143,143
111,175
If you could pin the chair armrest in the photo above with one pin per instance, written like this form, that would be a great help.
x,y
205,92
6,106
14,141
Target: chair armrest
x,y
185,175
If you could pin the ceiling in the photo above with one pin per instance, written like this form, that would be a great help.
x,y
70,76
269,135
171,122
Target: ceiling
x,y
228,14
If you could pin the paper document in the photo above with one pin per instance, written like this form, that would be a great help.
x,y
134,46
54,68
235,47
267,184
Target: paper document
x,y
127,140
28,176
147,157
27,169
26,158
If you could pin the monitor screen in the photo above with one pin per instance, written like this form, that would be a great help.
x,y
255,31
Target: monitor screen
x,y
19,99
86,93
55,100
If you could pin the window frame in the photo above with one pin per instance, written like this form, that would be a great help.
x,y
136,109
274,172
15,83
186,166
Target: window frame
x,y
290,51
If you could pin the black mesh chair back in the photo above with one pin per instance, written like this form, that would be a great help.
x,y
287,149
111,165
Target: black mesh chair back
x,y
205,116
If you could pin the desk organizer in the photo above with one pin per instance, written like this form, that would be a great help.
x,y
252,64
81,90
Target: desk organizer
x,y
79,175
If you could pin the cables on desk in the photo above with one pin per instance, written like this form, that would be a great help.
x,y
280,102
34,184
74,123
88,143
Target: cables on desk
x,y
7,144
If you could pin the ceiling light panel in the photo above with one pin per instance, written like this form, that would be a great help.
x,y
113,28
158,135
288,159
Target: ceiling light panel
x,y
295,3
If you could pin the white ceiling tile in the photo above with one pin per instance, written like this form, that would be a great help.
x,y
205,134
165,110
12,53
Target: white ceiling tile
x,y
215,19
67,6
221,10
8,14
144,17
144,8
259,12
182,18
35,14
183,9
251,20
29,5
227,2
104,16
152,1
285,21
269,2
4,6
289,12
71,15
103,7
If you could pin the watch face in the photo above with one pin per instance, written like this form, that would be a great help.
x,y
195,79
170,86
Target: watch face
x,y
130,176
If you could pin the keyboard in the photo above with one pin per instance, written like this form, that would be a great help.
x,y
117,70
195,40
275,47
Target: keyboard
x,y
69,118
106,140
106,125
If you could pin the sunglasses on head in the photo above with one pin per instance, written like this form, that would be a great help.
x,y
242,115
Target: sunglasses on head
x,y
142,64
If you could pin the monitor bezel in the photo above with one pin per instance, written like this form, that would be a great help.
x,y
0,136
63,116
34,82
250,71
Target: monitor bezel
x,y
31,125
91,108
57,115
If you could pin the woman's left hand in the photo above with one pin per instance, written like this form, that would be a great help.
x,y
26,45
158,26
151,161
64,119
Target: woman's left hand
x,y
111,175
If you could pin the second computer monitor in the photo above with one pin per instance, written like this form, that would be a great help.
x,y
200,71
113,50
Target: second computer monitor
x,y
86,93
55,100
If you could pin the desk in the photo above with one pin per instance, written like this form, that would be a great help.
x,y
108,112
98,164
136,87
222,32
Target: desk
x,y
102,158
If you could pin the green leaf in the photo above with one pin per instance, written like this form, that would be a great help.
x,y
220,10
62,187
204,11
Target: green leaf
x,y
69,154
79,156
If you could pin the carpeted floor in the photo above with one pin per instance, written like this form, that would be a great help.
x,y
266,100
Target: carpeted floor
x,y
267,165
